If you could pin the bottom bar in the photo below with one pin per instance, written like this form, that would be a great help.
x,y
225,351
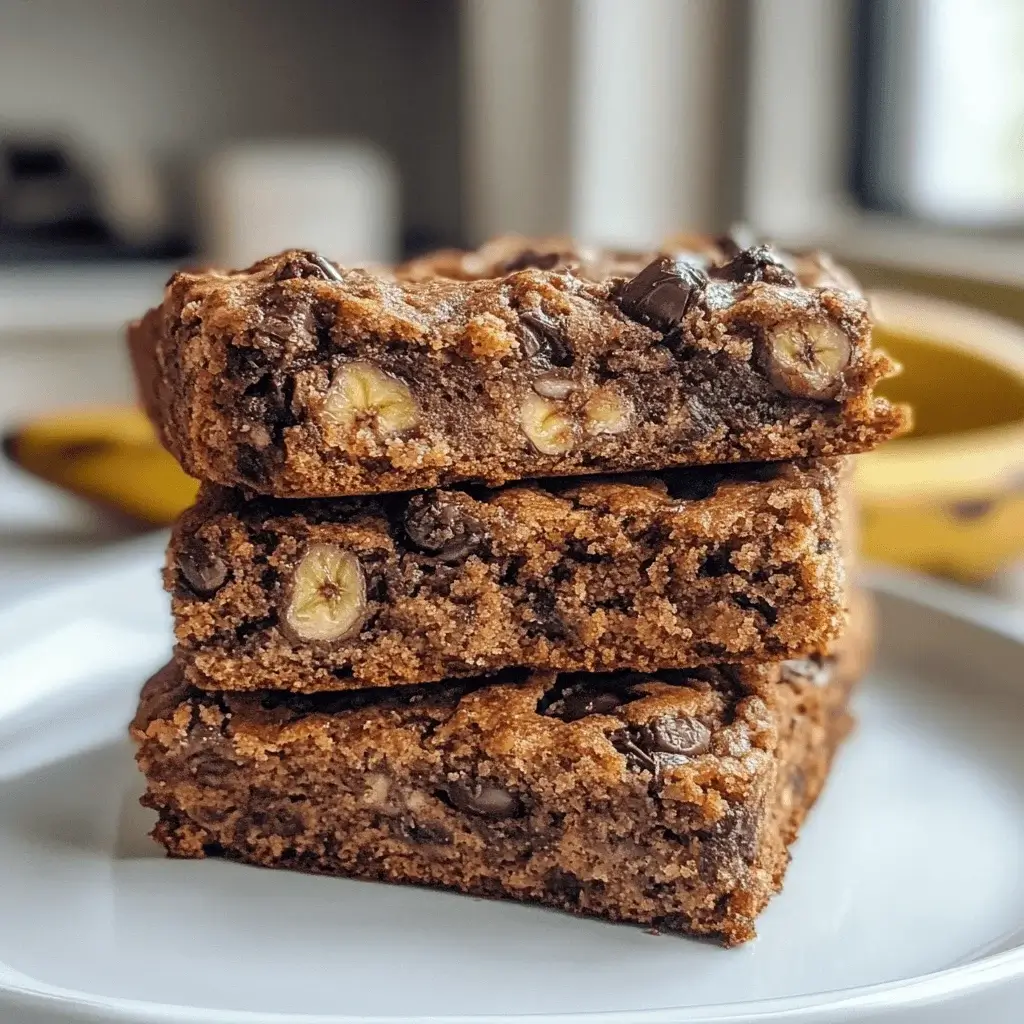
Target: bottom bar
x,y
667,800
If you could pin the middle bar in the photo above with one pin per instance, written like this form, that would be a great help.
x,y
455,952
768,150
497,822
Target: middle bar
x,y
674,570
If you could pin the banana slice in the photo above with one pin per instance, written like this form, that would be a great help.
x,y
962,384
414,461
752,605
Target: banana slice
x,y
806,359
328,595
362,392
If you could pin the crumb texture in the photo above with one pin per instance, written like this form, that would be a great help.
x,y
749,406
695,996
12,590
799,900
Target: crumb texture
x,y
668,800
691,567
299,379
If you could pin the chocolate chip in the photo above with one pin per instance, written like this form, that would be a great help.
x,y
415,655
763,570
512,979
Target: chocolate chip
x,y
581,702
442,529
756,264
662,293
664,742
532,258
307,264
547,618
730,845
672,734
426,835
483,798
203,571
542,340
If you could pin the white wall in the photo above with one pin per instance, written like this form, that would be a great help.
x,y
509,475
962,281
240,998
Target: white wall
x,y
171,78
612,120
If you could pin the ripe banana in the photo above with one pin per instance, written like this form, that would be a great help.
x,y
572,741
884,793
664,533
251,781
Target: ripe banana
x,y
110,456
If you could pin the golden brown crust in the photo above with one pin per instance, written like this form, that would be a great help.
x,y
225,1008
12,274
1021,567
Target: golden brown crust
x,y
240,371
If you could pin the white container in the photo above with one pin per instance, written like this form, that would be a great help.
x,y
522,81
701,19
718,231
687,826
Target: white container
x,y
337,198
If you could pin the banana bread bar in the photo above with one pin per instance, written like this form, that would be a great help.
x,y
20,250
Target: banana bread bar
x,y
691,567
666,800
299,379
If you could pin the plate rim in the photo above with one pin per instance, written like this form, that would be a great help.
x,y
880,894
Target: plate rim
x,y
960,980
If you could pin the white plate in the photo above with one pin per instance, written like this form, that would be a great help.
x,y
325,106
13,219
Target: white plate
x,y
905,900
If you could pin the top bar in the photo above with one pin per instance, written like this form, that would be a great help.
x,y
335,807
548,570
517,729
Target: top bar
x,y
295,378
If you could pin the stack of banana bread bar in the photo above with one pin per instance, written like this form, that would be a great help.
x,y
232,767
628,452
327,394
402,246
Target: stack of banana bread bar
x,y
518,572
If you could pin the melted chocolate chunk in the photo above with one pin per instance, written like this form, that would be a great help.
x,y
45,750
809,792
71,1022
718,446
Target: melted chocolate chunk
x,y
249,464
204,572
662,293
483,798
581,702
682,734
663,742
542,341
307,264
731,845
756,264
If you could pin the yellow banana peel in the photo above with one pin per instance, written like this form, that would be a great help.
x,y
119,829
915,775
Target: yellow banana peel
x,y
949,498
107,455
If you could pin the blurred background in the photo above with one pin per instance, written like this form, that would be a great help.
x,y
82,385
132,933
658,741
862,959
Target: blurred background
x,y
138,135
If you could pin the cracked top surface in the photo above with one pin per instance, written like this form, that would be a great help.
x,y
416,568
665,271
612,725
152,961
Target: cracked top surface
x,y
509,253
298,378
